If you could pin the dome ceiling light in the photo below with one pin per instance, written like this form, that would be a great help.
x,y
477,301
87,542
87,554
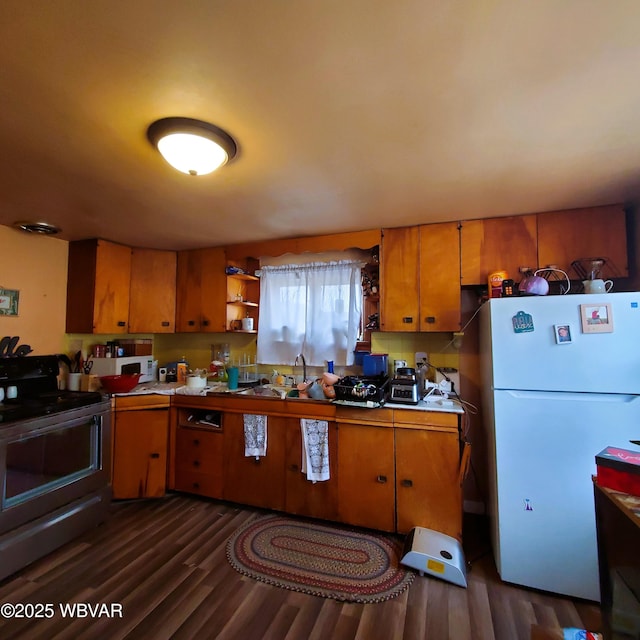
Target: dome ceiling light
x,y
192,146
43,228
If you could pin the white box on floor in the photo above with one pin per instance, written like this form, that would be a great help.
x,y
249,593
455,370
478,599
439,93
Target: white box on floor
x,y
435,553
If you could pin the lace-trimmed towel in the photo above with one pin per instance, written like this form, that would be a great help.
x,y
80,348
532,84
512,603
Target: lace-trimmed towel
x,y
255,435
315,449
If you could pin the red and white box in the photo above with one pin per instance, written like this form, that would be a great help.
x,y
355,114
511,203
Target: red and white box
x,y
619,469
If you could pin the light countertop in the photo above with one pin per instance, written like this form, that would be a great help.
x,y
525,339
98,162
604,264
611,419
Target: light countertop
x,y
176,388
442,406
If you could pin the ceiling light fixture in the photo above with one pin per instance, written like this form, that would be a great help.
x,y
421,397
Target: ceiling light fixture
x,y
192,146
43,228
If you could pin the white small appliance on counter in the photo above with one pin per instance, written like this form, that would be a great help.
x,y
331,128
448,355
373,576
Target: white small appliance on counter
x,y
448,379
130,364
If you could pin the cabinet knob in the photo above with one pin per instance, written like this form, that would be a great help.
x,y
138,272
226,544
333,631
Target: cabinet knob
x,y
205,323
165,323
196,485
407,319
407,483
381,479
122,323
155,455
196,463
191,323
196,442
294,467
430,319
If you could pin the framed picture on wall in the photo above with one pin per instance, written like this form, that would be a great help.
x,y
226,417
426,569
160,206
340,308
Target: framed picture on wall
x,y
9,302
596,318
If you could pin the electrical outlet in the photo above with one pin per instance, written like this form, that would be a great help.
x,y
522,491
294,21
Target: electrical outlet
x,y
421,357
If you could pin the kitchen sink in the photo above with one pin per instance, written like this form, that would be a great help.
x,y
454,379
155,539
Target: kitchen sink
x,y
263,391
275,391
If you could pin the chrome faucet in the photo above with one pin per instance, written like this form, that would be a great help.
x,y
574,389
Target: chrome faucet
x,y
304,366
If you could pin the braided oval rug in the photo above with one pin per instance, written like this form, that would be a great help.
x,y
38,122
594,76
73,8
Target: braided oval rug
x,y
321,559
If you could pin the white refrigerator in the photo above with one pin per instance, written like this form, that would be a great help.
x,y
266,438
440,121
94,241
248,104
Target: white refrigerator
x,y
561,381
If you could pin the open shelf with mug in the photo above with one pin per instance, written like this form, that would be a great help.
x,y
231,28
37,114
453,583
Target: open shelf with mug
x,y
243,296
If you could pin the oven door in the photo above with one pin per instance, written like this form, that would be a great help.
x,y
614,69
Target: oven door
x,y
49,462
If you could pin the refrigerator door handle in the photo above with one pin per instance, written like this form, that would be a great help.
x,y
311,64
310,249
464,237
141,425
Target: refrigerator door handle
x,y
563,396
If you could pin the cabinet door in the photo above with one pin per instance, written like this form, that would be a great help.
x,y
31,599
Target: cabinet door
x,y
597,232
152,305
316,500
428,491
497,244
113,275
400,279
188,290
213,302
201,291
198,461
258,482
440,277
366,476
140,453
98,287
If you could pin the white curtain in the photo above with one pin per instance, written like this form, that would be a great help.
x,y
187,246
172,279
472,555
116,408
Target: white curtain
x,y
312,309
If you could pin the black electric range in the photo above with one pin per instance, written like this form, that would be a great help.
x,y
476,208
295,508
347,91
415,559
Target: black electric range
x,y
35,379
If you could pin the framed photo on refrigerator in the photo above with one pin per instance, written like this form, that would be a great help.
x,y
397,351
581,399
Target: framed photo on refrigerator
x,y
596,318
562,333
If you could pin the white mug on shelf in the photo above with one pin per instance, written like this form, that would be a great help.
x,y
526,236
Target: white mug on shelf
x,y
247,324
12,392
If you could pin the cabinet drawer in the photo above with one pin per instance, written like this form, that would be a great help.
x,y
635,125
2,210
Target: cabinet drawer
x,y
204,484
198,450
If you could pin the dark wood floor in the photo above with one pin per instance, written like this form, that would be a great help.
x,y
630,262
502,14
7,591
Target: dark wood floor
x,y
164,562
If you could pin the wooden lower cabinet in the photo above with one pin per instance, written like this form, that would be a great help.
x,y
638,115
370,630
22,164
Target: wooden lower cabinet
x,y
428,484
140,448
390,469
303,497
257,482
366,476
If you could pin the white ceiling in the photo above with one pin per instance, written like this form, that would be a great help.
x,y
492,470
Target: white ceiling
x,y
349,114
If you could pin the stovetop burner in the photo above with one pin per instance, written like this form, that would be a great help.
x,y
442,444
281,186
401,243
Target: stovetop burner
x,y
24,408
35,378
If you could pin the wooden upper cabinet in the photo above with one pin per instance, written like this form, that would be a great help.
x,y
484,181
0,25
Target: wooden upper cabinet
x,y
496,244
98,287
201,291
420,278
440,277
152,306
400,279
596,232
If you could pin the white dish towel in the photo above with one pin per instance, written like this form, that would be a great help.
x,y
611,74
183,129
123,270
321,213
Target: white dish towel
x,y
255,435
315,449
